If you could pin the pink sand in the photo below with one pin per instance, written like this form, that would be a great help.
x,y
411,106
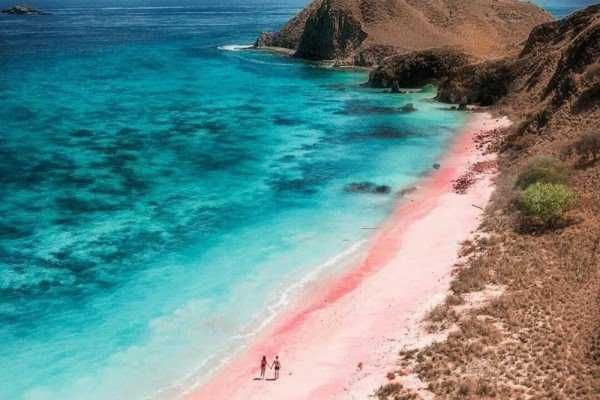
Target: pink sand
x,y
359,318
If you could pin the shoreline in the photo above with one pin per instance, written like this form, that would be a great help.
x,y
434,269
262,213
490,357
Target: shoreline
x,y
349,327
328,64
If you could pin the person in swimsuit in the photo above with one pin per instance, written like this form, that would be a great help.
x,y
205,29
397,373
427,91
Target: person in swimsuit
x,y
263,367
276,366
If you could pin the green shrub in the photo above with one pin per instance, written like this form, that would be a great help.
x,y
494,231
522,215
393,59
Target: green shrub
x,y
542,169
547,201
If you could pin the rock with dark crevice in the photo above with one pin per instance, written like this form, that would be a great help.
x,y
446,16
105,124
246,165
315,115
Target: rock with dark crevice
x,y
331,33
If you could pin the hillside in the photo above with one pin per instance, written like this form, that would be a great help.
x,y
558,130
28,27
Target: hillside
x,y
363,32
559,61
538,335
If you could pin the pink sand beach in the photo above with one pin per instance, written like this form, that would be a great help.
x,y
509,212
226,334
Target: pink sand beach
x,y
343,336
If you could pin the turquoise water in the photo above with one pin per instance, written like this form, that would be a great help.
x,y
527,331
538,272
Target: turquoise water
x,y
163,196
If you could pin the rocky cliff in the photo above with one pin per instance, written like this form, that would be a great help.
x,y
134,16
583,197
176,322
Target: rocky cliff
x,y
364,32
289,36
418,68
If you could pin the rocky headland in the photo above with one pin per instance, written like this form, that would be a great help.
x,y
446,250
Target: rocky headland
x,y
365,32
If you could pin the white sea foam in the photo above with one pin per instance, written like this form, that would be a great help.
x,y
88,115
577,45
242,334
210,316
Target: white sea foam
x,y
190,382
288,293
235,47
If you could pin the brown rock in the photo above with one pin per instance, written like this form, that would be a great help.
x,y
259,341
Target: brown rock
x,y
333,32
558,65
417,68
361,32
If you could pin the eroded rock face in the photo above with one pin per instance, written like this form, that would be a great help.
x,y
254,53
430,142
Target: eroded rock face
x,y
482,84
331,33
418,68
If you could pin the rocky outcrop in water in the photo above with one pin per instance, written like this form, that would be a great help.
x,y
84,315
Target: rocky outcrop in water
x,y
23,10
418,68
364,32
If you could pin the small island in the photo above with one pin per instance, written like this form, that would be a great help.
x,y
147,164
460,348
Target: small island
x,y
23,10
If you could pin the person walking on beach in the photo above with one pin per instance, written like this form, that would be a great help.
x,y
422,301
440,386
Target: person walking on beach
x,y
276,366
263,367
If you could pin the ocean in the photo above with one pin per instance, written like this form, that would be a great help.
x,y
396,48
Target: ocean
x,y
165,193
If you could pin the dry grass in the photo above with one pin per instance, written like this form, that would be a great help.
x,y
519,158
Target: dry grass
x,y
440,318
395,391
541,338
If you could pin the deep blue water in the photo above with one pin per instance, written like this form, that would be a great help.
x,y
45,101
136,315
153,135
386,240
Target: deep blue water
x,y
163,196
562,8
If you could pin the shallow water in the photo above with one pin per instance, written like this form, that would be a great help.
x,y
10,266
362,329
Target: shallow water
x,y
162,191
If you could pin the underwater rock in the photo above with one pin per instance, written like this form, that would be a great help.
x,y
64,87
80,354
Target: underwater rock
x,y
406,191
367,187
409,107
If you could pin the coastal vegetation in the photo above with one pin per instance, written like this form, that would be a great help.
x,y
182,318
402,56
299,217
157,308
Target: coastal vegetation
x,y
546,201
